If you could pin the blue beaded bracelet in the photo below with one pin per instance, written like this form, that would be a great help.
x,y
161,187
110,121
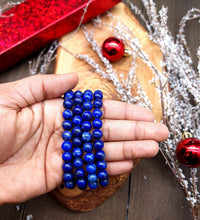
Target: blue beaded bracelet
x,y
83,157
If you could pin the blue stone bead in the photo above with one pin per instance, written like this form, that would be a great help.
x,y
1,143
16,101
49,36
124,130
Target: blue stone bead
x,y
98,94
78,93
78,101
89,158
77,110
67,125
104,182
77,120
86,125
77,152
79,173
68,104
77,163
67,156
81,183
76,131
93,185
77,142
92,178
87,116
66,146
100,155
70,184
69,95
97,113
97,103
67,135
86,136
67,114
97,123
87,105
88,95
87,147
91,168
98,144
97,134
101,165
88,91
68,176
67,167
102,175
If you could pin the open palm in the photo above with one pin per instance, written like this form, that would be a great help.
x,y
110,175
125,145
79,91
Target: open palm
x,y
30,135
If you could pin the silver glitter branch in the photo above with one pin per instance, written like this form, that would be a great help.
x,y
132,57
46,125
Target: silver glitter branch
x,y
178,84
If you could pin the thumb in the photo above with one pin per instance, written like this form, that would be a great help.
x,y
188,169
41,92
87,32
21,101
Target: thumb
x,y
34,89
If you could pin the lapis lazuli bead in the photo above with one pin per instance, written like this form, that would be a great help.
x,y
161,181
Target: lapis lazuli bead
x,y
86,126
68,176
100,155
67,125
97,123
69,95
81,183
97,113
77,152
101,165
77,120
87,147
87,105
77,142
67,156
102,175
70,184
77,131
91,168
86,136
67,167
104,182
79,173
93,185
68,104
67,114
77,110
78,101
89,158
67,135
92,177
97,134
88,95
66,146
77,163
78,93
87,116
98,145
97,103
98,94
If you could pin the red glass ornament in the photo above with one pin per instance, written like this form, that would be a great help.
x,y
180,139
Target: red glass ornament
x,y
188,152
33,24
113,49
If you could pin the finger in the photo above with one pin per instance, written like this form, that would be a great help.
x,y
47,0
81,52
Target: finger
x,y
34,89
119,167
129,150
119,130
125,111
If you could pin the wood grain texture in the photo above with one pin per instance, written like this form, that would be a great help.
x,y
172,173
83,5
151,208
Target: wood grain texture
x,y
76,199
155,193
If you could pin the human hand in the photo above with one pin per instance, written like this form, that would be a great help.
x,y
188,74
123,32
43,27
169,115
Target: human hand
x,y
31,135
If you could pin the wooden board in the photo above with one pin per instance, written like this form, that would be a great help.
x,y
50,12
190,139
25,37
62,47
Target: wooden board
x,y
86,200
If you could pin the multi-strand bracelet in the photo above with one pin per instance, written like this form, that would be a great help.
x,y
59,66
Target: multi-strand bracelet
x,y
83,156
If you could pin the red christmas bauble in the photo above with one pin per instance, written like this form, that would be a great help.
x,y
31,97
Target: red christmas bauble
x,y
113,49
188,152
